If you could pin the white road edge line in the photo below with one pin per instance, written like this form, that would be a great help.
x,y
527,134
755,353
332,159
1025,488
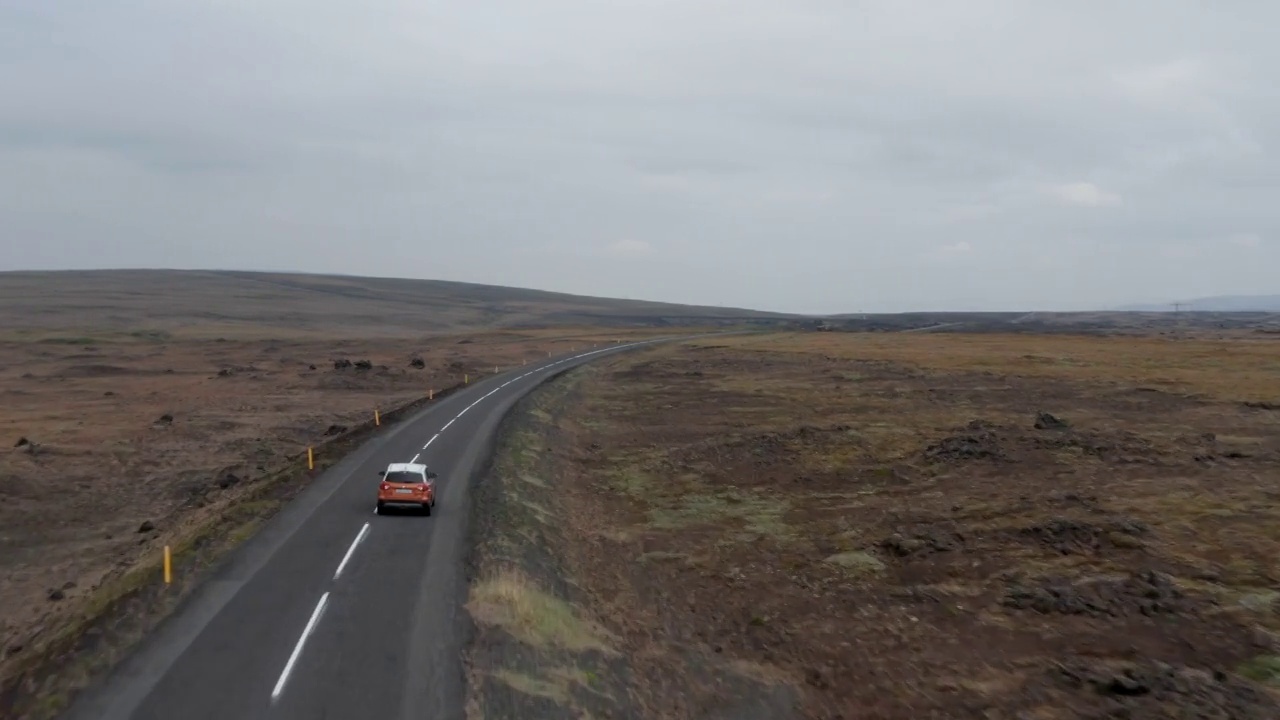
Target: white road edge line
x,y
297,649
415,459
433,439
351,550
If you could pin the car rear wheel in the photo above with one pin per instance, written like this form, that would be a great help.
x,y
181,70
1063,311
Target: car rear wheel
x,y
379,509
426,507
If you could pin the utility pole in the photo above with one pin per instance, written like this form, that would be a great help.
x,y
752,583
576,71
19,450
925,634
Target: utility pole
x,y
1177,316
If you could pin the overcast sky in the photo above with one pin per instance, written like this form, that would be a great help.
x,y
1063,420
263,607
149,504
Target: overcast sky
x,y
796,155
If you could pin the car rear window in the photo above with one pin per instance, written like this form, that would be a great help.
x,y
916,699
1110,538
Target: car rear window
x,y
401,476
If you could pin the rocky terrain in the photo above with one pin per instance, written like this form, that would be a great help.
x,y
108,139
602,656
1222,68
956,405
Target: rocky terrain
x,y
891,526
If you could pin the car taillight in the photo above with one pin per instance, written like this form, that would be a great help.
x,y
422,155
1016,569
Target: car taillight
x,y
386,486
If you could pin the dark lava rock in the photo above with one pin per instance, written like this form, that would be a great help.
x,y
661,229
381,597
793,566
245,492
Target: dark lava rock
x,y
1045,421
1150,689
146,527
971,446
922,542
1069,536
1147,593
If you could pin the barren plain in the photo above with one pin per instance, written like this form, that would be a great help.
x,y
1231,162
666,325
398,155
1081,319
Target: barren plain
x,y
954,522
833,525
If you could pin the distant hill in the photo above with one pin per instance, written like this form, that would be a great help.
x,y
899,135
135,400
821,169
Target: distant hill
x,y
1107,322
129,300
1219,303
123,299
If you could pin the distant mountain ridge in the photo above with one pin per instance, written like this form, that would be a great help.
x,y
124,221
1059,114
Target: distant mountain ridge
x,y
1217,303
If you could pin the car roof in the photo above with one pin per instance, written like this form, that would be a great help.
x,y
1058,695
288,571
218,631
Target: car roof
x,y
407,467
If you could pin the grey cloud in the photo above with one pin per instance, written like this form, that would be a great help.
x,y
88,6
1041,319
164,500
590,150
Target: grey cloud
x,y
813,155
162,152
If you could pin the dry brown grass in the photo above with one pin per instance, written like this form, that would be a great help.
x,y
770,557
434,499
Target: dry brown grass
x,y
510,599
1245,368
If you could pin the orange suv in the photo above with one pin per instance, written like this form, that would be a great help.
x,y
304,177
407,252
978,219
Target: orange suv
x,y
407,484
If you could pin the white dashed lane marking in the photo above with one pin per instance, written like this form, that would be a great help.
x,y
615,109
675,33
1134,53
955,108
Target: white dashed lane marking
x,y
351,550
364,531
516,379
297,649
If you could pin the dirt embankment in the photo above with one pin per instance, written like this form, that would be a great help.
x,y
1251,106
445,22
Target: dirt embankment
x,y
944,527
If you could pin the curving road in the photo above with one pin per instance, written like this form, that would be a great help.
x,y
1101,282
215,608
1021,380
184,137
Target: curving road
x,y
331,611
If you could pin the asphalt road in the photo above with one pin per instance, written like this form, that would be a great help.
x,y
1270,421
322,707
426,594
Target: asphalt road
x,y
331,611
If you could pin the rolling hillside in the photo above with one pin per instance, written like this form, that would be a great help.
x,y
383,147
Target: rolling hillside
x,y
126,299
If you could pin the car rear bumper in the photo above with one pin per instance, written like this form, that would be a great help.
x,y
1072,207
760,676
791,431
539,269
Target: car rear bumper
x,y
404,499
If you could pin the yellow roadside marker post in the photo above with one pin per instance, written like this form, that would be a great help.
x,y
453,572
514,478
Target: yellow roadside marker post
x,y
465,379
311,459
168,566
377,419
431,394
